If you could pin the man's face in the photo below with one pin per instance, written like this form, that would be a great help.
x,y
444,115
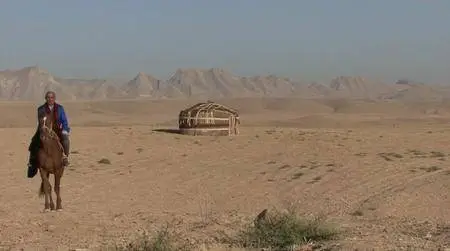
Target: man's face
x,y
50,98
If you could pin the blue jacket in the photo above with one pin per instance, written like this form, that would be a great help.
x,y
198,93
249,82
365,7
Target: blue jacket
x,y
62,118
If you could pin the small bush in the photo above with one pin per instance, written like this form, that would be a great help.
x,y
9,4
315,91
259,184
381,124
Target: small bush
x,y
281,231
104,161
162,241
430,169
389,156
435,154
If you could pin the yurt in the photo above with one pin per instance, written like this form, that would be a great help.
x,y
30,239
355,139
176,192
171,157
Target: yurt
x,y
209,118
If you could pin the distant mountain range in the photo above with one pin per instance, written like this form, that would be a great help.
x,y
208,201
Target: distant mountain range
x,y
30,84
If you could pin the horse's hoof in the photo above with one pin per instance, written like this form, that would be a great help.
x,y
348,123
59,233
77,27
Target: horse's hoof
x,y
59,210
46,210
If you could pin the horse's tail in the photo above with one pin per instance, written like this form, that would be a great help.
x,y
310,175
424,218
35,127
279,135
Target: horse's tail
x,y
41,189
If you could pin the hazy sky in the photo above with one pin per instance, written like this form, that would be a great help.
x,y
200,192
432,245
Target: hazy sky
x,y
310,39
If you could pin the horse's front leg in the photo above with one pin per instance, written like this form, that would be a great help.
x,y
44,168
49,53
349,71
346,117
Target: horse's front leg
x,y
58,191
52,204
45,188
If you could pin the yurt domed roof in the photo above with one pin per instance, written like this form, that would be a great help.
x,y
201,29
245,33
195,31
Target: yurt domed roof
x,y
209,106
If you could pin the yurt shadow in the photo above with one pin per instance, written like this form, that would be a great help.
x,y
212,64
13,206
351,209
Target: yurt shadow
x,y
168,130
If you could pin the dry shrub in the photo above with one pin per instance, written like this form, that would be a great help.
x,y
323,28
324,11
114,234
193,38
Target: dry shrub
x,y
163,240
104,161
282,231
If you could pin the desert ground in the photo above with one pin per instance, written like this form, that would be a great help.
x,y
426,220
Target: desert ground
x,y
377,170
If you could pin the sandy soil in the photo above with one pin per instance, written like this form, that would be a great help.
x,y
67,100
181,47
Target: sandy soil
x,y
379,172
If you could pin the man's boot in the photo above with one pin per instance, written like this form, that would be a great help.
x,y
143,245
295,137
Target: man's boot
x,y
32,168
33,148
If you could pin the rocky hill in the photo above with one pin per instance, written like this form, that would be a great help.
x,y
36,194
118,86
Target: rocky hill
x,y
30,83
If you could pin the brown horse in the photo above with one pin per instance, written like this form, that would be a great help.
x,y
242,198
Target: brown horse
x,y
50,161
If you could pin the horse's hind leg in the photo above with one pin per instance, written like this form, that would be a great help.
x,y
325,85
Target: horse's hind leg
x,y
57,191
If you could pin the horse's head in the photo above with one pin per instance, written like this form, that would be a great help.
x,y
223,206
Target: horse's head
x,y
46,128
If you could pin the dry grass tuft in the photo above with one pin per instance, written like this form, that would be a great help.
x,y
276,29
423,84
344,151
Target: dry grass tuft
x,y
430,169
104,161
163,240
270,231
297,175
417,153
282,231
436,154
284,166
390,156
315,180
357,213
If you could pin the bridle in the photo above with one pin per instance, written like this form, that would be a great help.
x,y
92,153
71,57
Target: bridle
x,y
49,129
51,133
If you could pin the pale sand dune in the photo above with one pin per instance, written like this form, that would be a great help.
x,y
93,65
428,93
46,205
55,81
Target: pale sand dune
x,y
156,177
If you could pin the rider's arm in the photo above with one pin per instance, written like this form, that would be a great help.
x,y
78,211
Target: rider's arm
x,y
63,120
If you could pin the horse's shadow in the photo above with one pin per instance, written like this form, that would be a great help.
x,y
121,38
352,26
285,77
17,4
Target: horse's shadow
x,y
173,131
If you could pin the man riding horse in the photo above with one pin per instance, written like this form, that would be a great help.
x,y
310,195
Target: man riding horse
x,y
61,127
